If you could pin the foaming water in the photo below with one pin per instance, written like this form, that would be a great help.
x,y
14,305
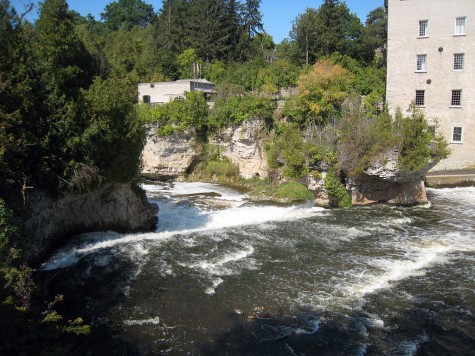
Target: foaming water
x,y
192,219
285,279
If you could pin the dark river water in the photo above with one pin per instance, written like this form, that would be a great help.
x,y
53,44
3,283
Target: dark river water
x,y
225,276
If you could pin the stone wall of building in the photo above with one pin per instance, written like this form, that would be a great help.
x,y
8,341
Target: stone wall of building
x,y
439,77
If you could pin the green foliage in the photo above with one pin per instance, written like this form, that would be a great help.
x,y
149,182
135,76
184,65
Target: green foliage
x,y
9,235
177,116
214,168
237,109
186,61
328,29
293,191
336,189
127,14
322,91
113,123
363,142
418,144
287,152
287,192
277,75
221,170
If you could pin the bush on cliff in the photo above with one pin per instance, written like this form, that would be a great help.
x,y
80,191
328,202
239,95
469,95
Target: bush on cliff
x,y
363,141
176,116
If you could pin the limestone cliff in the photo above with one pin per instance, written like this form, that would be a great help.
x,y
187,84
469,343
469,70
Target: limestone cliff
x,y
168,157
112,206
171,156
243,146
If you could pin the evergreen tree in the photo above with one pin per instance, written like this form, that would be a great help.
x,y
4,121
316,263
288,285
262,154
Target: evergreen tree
x,y
375,34
232,11
252,18
19,124
169,29
66,68
209,36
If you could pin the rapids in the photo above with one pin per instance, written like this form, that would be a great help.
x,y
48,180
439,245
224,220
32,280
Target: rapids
x,y
225,276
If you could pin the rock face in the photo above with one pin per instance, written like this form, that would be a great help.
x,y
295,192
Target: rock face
x,y
116,207
385,182
243,146
168,157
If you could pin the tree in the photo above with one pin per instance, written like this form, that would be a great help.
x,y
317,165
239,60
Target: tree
x,y
170,29
374,36
112,122
210,33
187,60
304,33
322,91
252,18
19,93
128,13
331,28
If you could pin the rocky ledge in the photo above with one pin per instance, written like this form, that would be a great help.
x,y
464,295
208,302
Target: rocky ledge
x,y
117,207
385,182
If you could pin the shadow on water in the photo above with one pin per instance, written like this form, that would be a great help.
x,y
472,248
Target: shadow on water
x,y
416,331
97,290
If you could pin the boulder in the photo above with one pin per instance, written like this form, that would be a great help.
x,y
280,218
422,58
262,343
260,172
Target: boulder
x,y
385,182
49,220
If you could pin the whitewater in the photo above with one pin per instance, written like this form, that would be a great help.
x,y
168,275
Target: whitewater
x,y
224,275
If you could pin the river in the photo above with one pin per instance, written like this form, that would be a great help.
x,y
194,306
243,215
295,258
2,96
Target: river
x,y
225,276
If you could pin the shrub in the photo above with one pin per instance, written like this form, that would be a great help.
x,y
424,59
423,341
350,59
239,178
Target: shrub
x,y
337,190
287,152
293,191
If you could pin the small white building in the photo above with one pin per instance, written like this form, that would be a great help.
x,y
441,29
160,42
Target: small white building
x,y
164,92
431,62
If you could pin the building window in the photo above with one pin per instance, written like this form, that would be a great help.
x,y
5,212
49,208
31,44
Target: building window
x,y
424,28
146,99
457,134
460,26
421,62
152,85
458,61
420,97
456,98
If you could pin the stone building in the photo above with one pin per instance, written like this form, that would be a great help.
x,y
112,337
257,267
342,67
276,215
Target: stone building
x,y
431,62
164,92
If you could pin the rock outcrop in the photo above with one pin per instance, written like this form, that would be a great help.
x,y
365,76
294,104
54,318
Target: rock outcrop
x,y
386,182
168,157
243,146
112,206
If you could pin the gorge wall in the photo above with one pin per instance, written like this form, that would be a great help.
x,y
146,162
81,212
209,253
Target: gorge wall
x,y
170,157
117,207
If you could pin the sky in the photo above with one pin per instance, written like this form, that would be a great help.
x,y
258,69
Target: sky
x,y
277,15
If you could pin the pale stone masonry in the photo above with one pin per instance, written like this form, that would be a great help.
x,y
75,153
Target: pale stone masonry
x,y
431,62
164,92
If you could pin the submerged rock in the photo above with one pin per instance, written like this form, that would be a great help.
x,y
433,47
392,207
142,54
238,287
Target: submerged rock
x,y
117,207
